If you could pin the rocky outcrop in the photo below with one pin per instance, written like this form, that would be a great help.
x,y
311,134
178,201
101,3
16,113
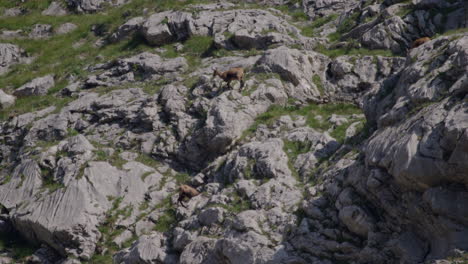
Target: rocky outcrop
x,y
143,66
9,55
38,86
237,29
65,28
40,31
6,100
55,9
296,67
287,169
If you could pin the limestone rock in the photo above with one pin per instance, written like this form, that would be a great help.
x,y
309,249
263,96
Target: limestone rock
x,y
357,220
55,9
9,54
40,31
38,86
66,28
6,100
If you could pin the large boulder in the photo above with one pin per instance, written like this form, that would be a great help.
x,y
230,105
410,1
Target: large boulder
x,y
142,66
40,31
66,28
6,100
357,220
38,86
9,54
128,29
166,27
298,68
146,250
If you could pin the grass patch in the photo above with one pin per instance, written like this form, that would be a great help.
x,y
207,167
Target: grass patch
x,y
198,45
318,83
310,30
455,31
114,159
147,160
345,26
405,10
237,205
166,221
333,53
48,181
17,245
309,112
32,104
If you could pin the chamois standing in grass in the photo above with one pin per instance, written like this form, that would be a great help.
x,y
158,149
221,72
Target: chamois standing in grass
x,y
419,42
186,191
232,74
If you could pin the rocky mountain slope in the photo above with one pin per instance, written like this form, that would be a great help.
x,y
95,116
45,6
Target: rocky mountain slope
x,y
345,145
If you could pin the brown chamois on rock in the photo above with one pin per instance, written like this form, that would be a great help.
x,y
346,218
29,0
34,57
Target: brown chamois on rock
x,y
186,191
232,74
419,42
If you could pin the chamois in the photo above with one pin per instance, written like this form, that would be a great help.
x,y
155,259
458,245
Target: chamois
x,y
186,191
231,75
419,42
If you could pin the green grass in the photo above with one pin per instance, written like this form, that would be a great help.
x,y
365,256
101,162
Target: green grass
x,y
333,53
17,245
166,221
237,205
57,55
48,181
310,30
318,82
455,31
345,26
405,10
33,103
114,159
197,45
148,160
109,231
309,112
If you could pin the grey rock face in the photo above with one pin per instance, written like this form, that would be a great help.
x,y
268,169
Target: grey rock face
x,y
350,78
128,29
9,54
38,86
11,34
247,32
201,250
357,220
166,27
148,249
211,216
6,100
258,160
229,115
297,67
142,66
55,9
